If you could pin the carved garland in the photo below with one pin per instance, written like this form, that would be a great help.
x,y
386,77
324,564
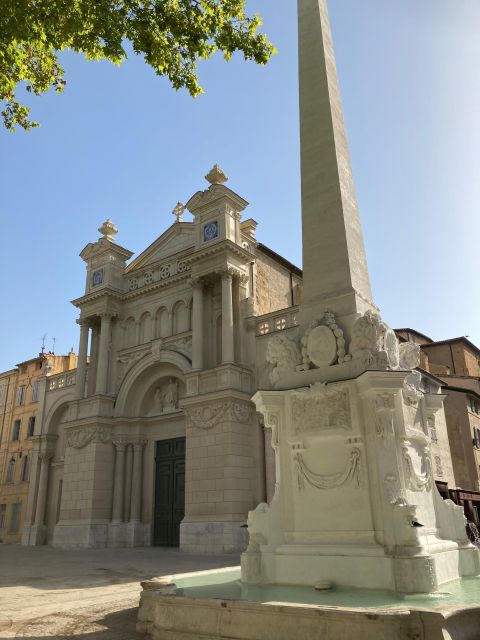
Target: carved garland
x,y
209,416
352,473
81,436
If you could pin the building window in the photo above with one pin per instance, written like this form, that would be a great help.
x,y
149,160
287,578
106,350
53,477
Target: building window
x,y
16,430
10,471
31,426
3,515
474,405
438,466
21,394
15,519
476,437
35,391
25,470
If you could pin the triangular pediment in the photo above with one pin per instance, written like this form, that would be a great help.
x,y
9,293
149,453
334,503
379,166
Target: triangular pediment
x,y
179,238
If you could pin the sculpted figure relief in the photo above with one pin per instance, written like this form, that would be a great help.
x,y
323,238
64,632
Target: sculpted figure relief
x,y
374,342
170,397
166,398
409,355
283,354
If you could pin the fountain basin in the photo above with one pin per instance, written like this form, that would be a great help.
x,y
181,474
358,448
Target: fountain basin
x,y
215,605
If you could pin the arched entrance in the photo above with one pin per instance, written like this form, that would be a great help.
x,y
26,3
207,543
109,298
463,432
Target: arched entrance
x,y
150,404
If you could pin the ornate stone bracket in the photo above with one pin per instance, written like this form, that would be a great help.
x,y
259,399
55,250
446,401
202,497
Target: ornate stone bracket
x,y
417,481
351,473
79,437
384,408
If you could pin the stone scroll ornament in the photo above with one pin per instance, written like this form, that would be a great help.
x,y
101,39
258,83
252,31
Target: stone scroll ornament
x,y
351,473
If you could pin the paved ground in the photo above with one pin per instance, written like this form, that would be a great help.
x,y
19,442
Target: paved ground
x,y
87,594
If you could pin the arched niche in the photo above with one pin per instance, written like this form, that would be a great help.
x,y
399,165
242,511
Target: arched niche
x,y
180,317
129,339
162,328
55,420
145,327
136,397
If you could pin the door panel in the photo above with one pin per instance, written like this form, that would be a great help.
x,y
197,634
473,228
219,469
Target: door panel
x,y
169,491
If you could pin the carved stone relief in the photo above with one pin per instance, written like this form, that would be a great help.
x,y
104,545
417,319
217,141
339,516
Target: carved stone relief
x,y
208,416
79,437
165,398
283,354
383,410
319,409
323,343
417,479
351,473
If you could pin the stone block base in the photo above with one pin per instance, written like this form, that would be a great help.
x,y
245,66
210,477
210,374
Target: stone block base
x,y
213,537
34,535
128,534
80,535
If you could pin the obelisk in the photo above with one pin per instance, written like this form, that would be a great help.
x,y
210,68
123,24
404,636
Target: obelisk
x,y
335,273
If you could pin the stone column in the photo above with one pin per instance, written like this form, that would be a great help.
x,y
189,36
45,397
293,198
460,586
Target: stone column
x,y
92,367
42,489
227,318
128,482
197,325
170,322
117,508
82,359
136,504
103,353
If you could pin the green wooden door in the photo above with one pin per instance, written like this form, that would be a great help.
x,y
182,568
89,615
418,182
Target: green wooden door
x,y
169,492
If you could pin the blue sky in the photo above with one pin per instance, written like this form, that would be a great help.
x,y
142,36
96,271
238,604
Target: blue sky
x,y
120,143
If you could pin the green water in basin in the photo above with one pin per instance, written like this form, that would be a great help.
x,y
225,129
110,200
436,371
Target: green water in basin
x,y
226,585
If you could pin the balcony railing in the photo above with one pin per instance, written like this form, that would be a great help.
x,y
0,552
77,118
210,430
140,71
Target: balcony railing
x,y
61,380
277,321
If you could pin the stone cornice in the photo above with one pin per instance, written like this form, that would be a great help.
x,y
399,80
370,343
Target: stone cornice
x,y
224,246
116,294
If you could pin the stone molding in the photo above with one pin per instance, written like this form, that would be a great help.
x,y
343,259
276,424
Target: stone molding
x,y
208,416
79,437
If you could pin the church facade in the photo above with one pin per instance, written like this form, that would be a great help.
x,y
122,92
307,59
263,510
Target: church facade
x,y
155,441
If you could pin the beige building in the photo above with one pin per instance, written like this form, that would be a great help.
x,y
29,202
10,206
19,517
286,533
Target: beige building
x,y
457,363
8,385
24,390
158,442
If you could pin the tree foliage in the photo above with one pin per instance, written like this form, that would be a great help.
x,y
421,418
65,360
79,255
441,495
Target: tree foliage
x,y
171,35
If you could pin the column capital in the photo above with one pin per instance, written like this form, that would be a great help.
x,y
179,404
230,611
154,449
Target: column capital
x,y
83,322
197,282
138,444
45,456
120,444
